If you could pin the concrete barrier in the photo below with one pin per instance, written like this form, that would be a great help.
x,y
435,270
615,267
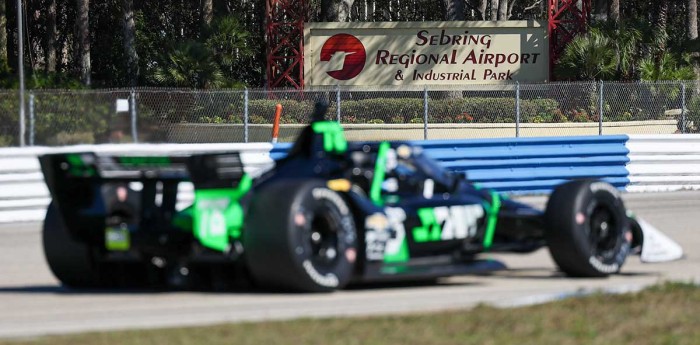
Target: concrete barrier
x,y
664,162
637,163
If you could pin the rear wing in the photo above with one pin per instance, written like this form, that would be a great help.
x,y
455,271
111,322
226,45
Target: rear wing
x,y
82,184
204,170
64,172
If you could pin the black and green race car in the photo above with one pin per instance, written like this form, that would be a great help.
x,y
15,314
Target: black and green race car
x,y
329,214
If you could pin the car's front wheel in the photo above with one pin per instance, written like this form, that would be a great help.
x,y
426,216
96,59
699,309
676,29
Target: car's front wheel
x,y
587,229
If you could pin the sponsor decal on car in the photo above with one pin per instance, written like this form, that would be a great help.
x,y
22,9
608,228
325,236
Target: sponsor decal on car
x,y
333,197
333,138
213,222
597,186
117,238
447,223
385,236
218,214
327,280
602,267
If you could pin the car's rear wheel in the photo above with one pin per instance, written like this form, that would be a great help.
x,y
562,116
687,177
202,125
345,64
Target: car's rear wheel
x,y
587,229
300,236
69,260
76,264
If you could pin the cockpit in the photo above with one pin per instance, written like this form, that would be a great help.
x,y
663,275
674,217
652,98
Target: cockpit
x,y
398,171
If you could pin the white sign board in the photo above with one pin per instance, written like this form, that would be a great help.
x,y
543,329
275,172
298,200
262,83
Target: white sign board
x,y
122,105
425,53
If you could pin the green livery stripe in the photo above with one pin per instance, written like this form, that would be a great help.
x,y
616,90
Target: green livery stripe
x,y
243,186
75,159
78,166
144,161
375,192
333,137
400,256
430,230
218,216
492,219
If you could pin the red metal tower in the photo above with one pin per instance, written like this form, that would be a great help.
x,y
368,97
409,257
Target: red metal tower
x,y
567,18
284,31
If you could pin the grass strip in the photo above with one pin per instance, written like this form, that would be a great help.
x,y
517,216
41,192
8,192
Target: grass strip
x,y
662,314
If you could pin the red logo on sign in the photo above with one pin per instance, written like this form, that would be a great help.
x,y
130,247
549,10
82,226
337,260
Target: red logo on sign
x,y
345,55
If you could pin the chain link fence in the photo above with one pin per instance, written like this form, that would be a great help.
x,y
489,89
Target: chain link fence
x,y
146,115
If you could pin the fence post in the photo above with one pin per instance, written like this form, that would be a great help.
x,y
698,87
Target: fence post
x,y
682,107
600,110
245,115
132,111
337,101
517,109
425,113
31,119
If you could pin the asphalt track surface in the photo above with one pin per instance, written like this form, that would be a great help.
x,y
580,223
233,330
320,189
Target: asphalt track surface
x,y
33,303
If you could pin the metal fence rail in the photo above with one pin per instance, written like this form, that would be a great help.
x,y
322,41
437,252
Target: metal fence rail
x,y
62,117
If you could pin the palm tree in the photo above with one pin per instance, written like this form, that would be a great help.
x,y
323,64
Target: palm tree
x,y
692,19
51,34
228,42
83,24
454,9
692,23
588,57
129,28
668,69
503,10
614,10
190,64
336,10
660,29
207,13
3,38
626,39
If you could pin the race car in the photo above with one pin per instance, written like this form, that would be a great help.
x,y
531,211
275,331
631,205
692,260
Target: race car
x,y
328,214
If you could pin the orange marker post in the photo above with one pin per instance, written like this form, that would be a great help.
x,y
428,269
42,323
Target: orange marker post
x,y
276,124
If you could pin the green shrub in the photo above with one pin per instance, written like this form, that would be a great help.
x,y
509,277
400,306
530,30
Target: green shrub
x,y
65,138
9,115
5,140
394,110
66,113
692,117
263,111
257,119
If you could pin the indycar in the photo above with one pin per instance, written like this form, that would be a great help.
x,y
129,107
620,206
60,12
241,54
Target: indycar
x,y
328,214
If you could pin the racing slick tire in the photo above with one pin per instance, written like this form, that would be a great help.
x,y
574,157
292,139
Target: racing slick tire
x,y
587,228
300,236
69,260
